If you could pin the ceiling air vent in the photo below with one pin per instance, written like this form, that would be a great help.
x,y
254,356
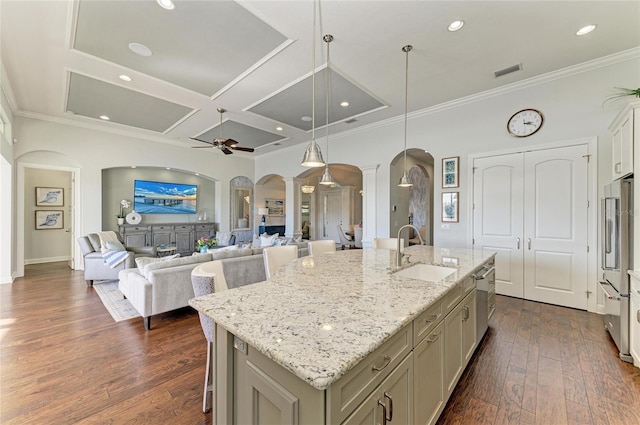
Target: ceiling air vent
x,y
351,121
508,70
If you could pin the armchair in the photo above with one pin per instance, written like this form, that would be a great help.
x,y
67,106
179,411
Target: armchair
x,y
95,267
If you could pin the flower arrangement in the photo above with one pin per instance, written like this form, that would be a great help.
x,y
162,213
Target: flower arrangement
x,y
204,242
124,204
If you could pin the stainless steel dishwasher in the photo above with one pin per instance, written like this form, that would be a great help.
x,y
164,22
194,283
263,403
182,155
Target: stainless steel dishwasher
x,y
485,297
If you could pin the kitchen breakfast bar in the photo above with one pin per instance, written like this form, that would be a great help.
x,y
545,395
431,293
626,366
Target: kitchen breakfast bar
x,y
347,338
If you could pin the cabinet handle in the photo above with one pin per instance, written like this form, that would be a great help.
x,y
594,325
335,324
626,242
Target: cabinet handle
x,y
529,243
638,316
433,318
618,164
465,311
433,337
387,360
390,418
518,243
384,412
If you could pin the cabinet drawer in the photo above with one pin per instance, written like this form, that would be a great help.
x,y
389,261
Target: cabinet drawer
x,y
161,228
468,284
349,391
452,298
202,227
136,229
423,324
183,227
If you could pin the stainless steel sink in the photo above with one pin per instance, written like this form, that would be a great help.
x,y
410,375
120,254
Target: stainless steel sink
x,y
426,272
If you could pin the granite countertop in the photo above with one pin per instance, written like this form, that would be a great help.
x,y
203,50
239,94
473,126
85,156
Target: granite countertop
x,y
319,316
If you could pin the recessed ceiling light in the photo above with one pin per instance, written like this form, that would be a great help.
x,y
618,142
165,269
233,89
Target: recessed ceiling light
x,y
586,30
133,166
197,174
455,25
344,104
279,128
124,77
166,4
168,168
104,117
306,118
140,49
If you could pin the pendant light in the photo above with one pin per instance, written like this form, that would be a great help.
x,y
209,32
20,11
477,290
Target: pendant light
x,y
307,188
313,155
404,180
327,178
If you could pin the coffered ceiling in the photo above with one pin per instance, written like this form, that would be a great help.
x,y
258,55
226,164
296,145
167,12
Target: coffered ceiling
x,y
62,60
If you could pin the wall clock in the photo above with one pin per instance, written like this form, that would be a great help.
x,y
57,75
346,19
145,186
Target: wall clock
x,y
525,123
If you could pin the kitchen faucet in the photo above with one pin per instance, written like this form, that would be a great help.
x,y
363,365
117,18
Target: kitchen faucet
x,y
400,255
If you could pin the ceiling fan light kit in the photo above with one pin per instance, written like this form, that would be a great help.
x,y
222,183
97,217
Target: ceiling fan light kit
x,y
313,155
225,145
404,180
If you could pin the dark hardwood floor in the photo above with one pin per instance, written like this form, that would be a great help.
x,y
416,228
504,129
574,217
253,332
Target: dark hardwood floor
x,y
63,360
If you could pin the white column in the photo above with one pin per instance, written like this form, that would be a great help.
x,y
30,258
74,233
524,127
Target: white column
x,y
292,206
369,217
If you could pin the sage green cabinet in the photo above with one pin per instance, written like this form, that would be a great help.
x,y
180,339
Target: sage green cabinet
x,y
428,386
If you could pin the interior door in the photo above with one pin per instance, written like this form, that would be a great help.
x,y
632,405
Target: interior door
x,y
497,217
555,217
331,215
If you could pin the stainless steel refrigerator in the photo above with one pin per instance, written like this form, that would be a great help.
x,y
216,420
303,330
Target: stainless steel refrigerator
x,y
617,258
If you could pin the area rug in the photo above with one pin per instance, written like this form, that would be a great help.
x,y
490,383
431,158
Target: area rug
x,y
113,300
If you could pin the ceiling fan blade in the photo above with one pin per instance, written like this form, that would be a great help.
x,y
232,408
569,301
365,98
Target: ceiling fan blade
x,y
200,140
230,142
226,150
202,147
240,148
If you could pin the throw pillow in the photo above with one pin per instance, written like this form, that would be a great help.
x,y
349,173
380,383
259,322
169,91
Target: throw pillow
x,y
222,238
108,236
268,240
115,246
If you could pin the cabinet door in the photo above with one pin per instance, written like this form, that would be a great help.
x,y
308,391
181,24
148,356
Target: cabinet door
x,y
452,348
469,328
184,239
635,329
428,384
135,239
622,154
203,231
393,397
161,235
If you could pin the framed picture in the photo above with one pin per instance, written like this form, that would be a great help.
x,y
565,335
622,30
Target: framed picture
x,y
450,172
49,197
49,219
275,207
450,207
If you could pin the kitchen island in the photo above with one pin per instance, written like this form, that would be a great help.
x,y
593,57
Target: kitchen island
x,y
342,338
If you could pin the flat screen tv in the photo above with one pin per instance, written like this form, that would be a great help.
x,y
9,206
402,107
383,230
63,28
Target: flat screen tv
x,y
164,198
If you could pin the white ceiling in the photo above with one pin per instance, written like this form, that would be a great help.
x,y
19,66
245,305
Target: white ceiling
x,y
62,60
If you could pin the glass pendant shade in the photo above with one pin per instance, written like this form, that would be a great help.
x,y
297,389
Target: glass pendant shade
x,y
312,156
307,188
404,180
327,178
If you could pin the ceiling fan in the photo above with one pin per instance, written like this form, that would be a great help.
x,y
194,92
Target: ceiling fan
x,y
225,145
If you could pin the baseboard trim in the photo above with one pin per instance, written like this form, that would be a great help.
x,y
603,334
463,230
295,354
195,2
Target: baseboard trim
x,y
46,260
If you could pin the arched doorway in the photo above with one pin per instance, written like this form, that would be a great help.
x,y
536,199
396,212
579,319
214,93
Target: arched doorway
x,y
323,208
412,204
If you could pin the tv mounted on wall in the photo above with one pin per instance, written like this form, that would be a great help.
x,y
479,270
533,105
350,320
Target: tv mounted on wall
x,y
164,198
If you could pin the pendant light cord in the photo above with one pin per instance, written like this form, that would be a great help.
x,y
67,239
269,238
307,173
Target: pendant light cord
x,y
313,74
407,49
328,39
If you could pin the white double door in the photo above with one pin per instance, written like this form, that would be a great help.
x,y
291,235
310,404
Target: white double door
x,y
531,208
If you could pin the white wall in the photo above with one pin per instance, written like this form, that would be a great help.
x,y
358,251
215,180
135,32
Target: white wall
x,y
571,104
7,264
93,150
45,246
